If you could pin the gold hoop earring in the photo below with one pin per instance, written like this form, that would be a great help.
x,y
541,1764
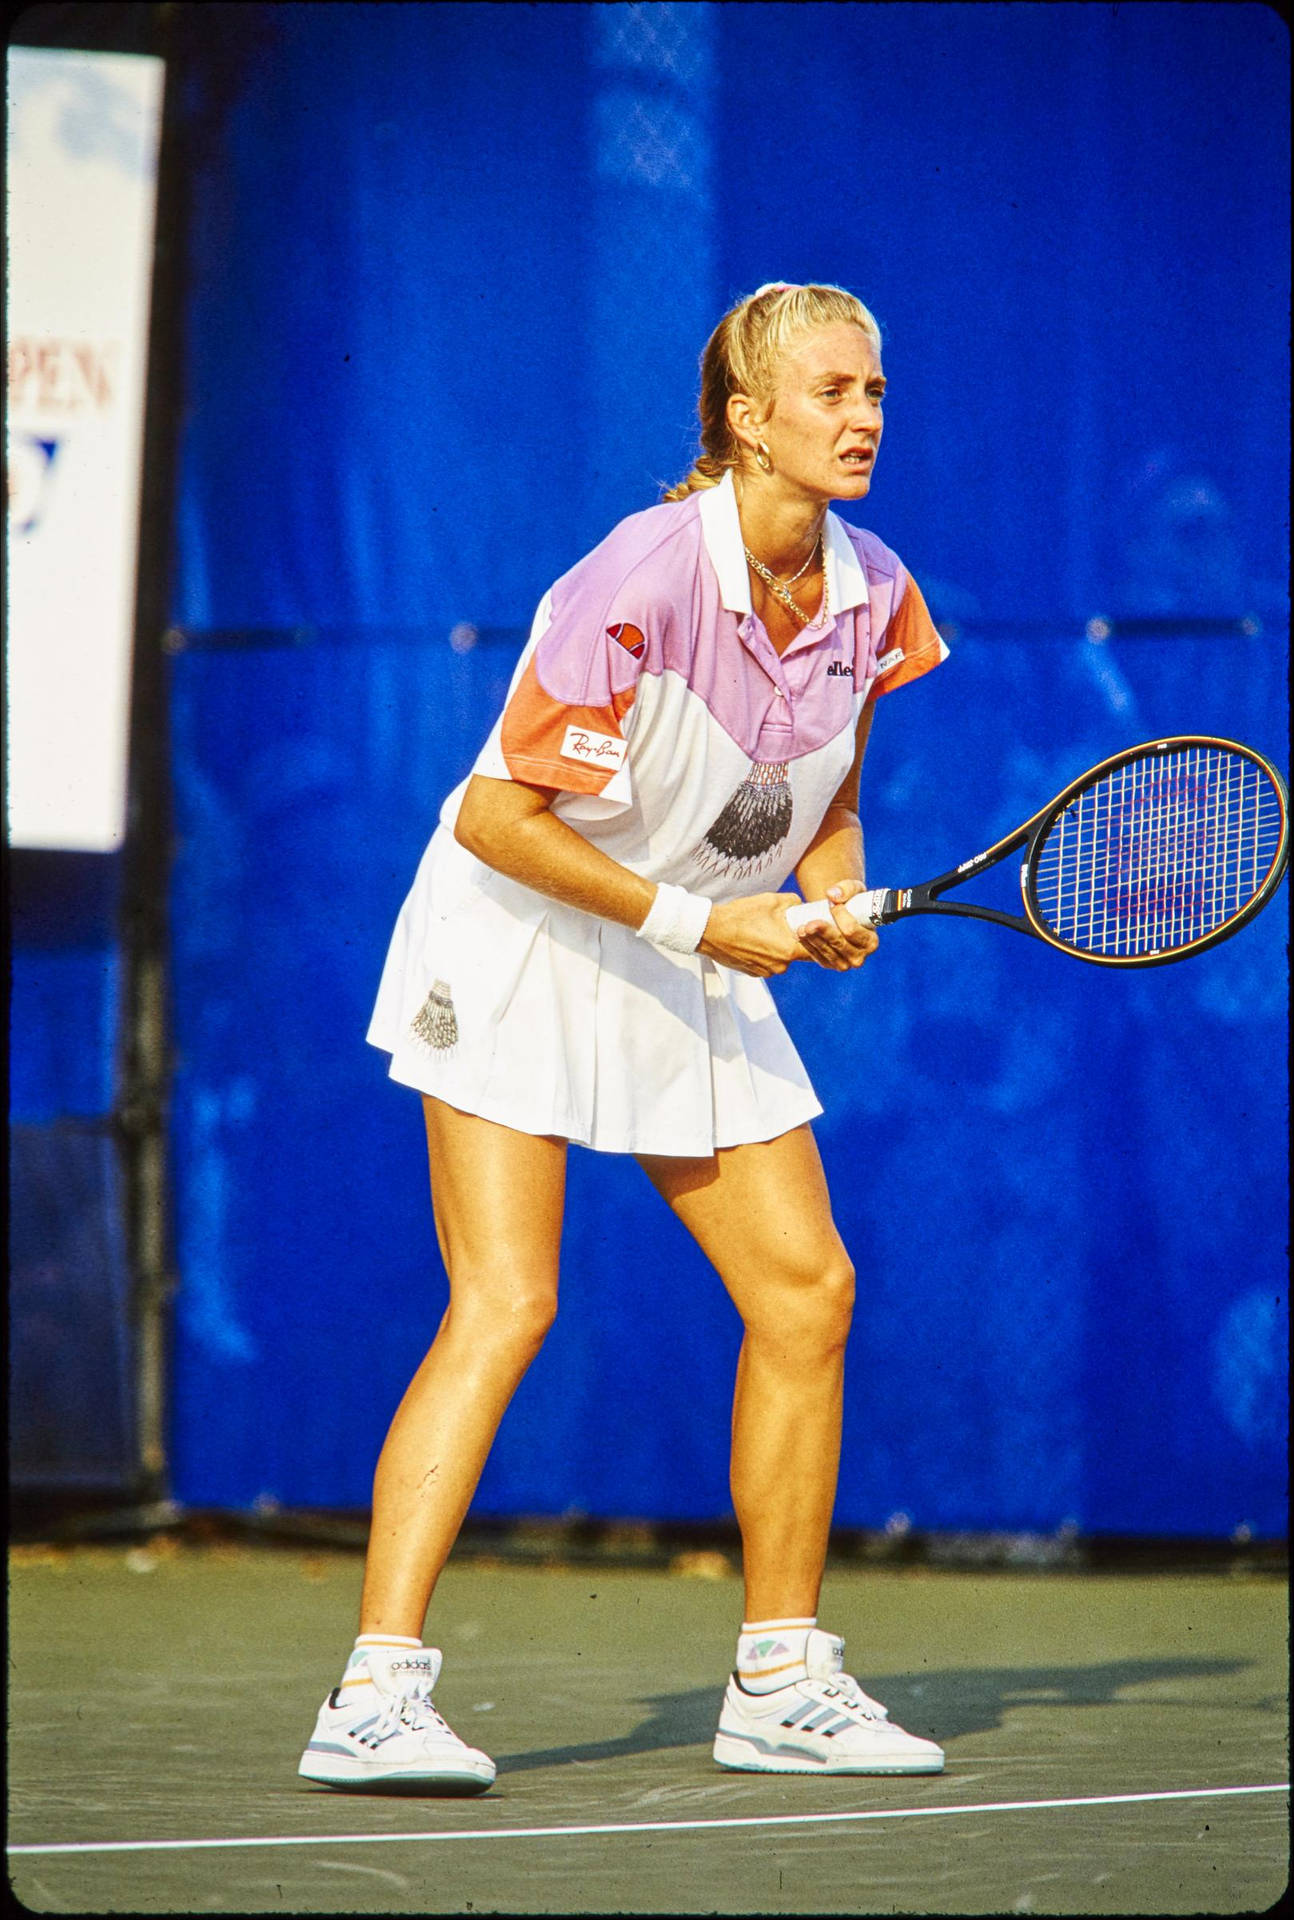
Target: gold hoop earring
x,y
762,456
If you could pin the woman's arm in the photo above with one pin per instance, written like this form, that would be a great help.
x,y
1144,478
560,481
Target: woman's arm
x,y
835,852
510,827
832,867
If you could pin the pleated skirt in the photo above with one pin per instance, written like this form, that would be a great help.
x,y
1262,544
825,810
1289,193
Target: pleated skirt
x,y
506,1004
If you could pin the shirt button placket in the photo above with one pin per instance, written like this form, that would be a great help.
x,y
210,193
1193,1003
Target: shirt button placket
x,y
780,725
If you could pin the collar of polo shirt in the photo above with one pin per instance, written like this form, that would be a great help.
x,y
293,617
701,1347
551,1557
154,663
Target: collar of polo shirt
x,y
721,530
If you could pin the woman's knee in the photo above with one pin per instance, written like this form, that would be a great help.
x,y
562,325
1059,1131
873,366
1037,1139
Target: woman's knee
x,y
834,1299
513,1312
532,1317
808,1304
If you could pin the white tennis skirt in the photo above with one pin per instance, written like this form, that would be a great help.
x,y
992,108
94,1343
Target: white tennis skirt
x,y
506,1004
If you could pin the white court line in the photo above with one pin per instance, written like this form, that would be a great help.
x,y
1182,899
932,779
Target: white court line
x,y
642,1826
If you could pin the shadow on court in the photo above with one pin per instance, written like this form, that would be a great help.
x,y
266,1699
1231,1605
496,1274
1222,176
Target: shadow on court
x,y
958,1702
159,1700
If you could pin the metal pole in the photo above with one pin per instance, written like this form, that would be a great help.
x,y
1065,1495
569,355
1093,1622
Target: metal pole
x,y
142,1105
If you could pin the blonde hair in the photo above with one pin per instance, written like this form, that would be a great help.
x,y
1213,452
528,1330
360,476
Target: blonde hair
x,y
741,356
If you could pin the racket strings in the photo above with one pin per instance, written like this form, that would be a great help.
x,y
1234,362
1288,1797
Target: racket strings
x,y
1160,853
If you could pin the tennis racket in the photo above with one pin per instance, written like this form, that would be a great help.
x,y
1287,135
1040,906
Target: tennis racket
x,y
1157,853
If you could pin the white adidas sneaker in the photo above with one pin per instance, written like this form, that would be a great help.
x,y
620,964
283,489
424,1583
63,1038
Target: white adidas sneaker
x,y
822,1722
378,1731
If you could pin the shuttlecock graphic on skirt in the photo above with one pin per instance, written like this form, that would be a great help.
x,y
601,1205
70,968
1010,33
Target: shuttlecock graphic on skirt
x,y
436,1023
752,825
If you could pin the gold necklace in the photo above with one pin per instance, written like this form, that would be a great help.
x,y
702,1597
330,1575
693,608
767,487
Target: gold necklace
x,y
775,586
804,565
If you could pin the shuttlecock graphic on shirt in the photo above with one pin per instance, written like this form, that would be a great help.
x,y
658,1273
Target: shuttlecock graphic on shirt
x,y
435,1022
752,825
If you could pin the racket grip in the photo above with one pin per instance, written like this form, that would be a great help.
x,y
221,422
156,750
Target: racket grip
x,y
867,907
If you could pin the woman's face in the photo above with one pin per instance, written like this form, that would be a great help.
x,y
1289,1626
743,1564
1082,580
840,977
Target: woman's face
x,y
824,428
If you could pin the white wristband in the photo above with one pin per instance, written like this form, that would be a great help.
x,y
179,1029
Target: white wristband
x,y
677,919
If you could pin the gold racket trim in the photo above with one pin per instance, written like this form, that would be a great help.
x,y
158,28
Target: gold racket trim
x,y
1036,827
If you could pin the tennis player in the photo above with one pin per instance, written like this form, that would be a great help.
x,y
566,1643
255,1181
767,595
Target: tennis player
x,y
583,957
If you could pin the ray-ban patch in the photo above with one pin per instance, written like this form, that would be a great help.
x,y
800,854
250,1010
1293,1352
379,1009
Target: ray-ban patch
x,y
594,749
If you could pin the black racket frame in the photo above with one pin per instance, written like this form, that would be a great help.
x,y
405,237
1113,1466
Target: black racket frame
x,y
903,902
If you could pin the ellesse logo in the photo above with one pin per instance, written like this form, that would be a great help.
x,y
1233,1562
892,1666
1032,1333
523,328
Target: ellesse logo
x,y
629,637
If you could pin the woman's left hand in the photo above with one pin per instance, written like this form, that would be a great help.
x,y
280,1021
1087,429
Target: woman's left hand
x,y
842,942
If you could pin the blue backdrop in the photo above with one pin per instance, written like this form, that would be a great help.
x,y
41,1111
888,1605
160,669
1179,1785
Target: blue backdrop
x,y
452,268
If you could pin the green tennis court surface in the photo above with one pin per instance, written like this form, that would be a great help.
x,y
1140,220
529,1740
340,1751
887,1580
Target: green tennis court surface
x,y
165,1695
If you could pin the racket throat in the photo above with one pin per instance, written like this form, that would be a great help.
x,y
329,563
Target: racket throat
x,y
922,902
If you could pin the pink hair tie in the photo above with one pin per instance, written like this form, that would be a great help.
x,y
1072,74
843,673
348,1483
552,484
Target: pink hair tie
x,y
774,286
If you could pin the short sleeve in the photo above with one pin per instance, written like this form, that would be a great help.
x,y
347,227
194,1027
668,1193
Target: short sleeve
x,y
569,712
911,643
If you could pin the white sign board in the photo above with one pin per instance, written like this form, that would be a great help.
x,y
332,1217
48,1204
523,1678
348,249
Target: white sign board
x,y
81,189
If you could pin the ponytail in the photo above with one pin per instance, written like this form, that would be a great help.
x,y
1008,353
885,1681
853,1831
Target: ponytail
x,y
708,472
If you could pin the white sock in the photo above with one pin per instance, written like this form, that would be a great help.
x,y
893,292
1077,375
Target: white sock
x,y
770,1653
357,1670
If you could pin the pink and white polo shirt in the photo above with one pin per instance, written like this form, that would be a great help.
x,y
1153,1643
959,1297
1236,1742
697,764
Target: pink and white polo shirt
x,y
651,699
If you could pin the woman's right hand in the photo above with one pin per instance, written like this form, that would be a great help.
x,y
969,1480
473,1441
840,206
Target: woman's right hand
x,y
752,935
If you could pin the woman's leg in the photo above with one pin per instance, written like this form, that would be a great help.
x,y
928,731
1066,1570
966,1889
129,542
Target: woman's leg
x,y
762,1216
498,1198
